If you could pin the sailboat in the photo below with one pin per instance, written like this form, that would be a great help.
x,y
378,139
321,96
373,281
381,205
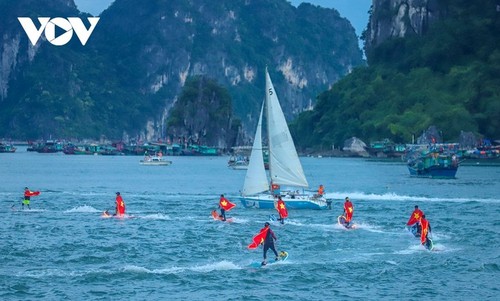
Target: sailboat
x,y
285,169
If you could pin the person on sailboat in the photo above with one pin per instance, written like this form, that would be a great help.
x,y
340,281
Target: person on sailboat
x,y
321,190
348,211
27,196
282,211
120,205
320,194
426,229
269,242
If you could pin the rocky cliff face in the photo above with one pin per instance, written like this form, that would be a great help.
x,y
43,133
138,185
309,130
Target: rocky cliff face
x,y
128,75
399,18
16,53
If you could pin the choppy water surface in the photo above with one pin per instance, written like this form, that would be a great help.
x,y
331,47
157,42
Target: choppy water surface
x,y
173,250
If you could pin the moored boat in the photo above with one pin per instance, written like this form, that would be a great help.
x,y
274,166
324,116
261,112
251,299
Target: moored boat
x,y
238,162
434,164
155,161
386,149
7,148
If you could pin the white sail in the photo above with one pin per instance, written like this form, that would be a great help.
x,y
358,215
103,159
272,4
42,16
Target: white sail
x,y
284,163
256,178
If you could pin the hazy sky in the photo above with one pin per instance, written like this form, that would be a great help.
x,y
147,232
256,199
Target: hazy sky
x,y
356,11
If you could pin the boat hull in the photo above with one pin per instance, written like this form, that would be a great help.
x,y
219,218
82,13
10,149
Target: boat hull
x,y
239,167
434,172
266,201
156,163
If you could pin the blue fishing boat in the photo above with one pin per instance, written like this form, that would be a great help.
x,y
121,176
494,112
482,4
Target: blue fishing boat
x,y
434,164
285,169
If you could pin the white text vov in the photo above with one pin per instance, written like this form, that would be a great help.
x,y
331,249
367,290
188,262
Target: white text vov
x,y
48,25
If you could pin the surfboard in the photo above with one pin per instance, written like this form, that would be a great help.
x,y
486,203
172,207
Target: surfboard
x,y
342,222
274,218
216,217
429,245
108,215
282,256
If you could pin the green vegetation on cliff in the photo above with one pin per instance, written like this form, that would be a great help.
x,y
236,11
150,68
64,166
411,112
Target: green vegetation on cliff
x,y
203,113
448,77
125,79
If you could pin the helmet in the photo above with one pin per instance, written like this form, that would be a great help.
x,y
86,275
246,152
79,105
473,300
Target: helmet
x,y
347,198
117,193
266,224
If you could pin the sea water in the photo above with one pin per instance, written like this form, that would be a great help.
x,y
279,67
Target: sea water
x,y
172,249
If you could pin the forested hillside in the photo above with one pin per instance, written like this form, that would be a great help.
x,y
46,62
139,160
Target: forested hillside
x,y
130,73
448,76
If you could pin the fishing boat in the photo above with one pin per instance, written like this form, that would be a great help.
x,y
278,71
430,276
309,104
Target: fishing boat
x,y
434,163
386,149
155,161
285,169
7,148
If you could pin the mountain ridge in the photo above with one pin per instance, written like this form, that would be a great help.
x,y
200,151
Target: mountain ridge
x,y
130,73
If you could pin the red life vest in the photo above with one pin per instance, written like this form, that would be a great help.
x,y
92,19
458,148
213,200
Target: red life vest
x,y
349,210
425,230
120,205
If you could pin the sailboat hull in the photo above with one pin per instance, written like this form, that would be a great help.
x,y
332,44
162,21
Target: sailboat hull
x,y
266,201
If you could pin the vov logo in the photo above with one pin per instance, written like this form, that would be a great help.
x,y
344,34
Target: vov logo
x,y
48,26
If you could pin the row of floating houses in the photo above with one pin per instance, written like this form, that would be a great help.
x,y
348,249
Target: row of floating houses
x,y
114,149
380,149
436,160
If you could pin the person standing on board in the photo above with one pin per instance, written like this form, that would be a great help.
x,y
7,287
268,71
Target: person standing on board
x,y
27,196
414,220
222,205
426,229
348,211
282,211
269,242
120,205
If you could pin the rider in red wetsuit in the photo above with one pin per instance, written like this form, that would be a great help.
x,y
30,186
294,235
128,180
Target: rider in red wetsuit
x,y
348,210
426,228
120,205
282,211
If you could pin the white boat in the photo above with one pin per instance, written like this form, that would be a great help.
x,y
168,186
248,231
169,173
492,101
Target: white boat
x,y
285,169
238,162
155,161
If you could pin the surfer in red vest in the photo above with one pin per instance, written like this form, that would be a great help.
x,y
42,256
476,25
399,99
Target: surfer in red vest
x,y
426,228
414,220
222,205
120,205
27,196
282,211
348,211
